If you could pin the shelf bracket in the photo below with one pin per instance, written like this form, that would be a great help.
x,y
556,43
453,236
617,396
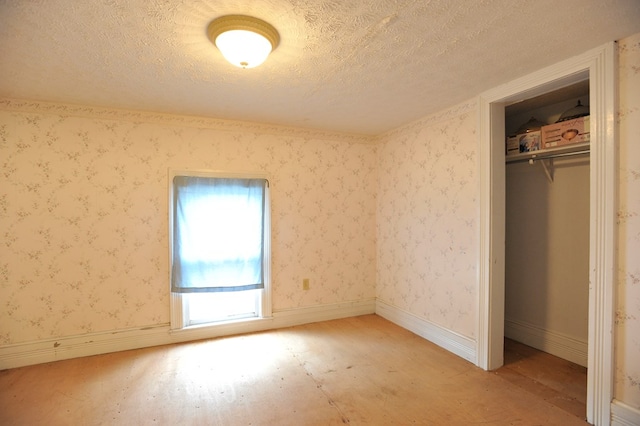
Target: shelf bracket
x,y
548,167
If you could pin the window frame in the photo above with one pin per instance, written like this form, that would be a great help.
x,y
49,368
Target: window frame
x,y
179,311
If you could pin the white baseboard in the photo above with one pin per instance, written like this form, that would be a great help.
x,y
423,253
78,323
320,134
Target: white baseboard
x,y
624,415
41,351
447,339
280,319
552,342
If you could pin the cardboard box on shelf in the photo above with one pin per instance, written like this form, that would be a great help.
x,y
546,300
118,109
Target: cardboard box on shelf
x,y
513,146
525,142
566,132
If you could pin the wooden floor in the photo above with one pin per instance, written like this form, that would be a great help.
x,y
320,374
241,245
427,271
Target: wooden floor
x,y
362,370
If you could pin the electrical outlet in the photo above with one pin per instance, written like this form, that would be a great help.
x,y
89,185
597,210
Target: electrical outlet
x,y
305,284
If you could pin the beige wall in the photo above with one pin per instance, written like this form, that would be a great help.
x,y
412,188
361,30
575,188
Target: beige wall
x,y
83,217
627,314
428,219
547,248
83,214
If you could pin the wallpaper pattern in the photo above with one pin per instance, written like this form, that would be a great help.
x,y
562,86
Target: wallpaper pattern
x,y
427,220
627,319
83,217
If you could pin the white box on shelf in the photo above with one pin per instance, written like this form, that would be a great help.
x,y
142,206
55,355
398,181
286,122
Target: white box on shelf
x,y
525,142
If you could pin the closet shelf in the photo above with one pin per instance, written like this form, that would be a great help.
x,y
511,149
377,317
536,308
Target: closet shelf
x,y
543,154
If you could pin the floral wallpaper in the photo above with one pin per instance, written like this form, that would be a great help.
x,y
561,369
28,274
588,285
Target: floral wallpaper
x,y
627,319
84,213
428,219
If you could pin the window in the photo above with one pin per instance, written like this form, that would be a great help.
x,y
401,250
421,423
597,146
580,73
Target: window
x,y
219,248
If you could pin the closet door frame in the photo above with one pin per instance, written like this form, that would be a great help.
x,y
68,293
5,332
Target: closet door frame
x,y
599,66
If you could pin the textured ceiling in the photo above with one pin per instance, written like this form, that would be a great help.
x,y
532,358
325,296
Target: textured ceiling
x,y
358,66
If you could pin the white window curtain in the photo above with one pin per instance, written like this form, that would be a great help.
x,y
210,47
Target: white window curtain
x,y
218,234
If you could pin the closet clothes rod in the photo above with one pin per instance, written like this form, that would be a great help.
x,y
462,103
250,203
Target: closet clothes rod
x,y
547,156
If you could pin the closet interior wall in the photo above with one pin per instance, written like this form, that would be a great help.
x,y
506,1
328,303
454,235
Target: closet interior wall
x,y
547,246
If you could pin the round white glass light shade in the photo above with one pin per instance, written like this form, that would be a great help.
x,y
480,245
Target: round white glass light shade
x,y
244,49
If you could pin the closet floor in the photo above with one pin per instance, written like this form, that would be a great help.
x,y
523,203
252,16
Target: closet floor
x,y
557,381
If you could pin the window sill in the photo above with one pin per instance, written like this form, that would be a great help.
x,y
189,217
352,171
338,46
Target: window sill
x,y
223,328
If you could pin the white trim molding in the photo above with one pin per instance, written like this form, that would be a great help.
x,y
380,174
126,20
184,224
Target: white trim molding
x,y
41,351
49,350
599,66
555,343
624,415
447,339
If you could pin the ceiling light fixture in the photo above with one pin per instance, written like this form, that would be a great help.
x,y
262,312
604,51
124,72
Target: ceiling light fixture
x,y
243,40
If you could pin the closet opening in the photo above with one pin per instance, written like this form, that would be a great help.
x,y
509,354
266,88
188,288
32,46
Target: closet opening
x,y
598,67
547,226
546,313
